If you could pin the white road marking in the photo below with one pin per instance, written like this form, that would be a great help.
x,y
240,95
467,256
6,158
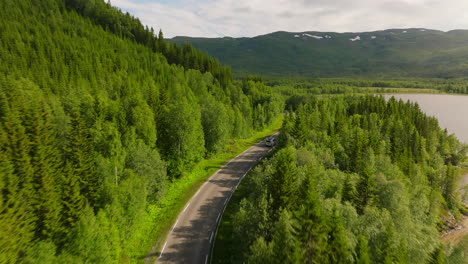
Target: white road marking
x,y
213,233
162,250
174,225
186,207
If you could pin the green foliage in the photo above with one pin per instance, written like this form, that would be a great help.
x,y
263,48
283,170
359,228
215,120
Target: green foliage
x,y
88,242
98,116
181,136
283,185
130,27
262,252
437,256
428,53
363,178
339,249
362,251
285,245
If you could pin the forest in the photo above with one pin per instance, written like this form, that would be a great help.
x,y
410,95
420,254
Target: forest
x,y
384,53
96,120
100,116
355,179
333,86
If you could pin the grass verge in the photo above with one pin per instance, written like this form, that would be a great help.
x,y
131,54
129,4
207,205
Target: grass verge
x,y
165,212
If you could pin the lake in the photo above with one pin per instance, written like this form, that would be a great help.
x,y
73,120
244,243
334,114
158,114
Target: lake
x,y
450,110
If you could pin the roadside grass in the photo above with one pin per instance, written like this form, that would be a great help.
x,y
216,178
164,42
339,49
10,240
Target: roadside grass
x,y
464,170
165,212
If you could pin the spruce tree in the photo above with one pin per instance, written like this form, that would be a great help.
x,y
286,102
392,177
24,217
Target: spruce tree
x,y
312,229
16,223
81,157
46,162
362,251
437,256
286,248
73,202
339,249
283,186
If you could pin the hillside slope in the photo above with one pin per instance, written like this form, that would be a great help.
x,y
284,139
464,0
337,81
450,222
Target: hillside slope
x,y
95,123
389,53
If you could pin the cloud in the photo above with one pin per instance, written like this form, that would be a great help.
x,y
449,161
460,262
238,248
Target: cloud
x,y
247,18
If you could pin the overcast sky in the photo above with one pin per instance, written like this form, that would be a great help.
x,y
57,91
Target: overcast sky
x,y
247,18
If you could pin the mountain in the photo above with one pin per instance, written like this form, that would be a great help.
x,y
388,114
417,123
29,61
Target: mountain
x,y
412,52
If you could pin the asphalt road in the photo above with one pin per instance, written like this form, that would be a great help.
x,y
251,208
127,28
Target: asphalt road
x,y
192,235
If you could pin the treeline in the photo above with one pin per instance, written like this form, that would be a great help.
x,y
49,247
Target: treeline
x,y
94,126
127,26
355,180
302,86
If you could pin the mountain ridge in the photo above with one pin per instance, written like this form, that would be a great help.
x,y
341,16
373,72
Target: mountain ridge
x,y
313,31
406,52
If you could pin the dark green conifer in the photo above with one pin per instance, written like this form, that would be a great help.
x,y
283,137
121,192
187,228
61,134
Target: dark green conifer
x,y
339,249
362,251
73,202
81,157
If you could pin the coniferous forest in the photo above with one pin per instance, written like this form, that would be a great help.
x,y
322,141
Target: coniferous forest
x,y
354,180
99,115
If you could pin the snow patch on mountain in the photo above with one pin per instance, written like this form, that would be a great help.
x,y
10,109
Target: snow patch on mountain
x,y
312,36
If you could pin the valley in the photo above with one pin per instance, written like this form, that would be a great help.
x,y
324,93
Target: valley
x,y
120,145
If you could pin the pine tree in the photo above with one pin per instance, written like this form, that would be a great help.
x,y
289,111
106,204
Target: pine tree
x,y
365,189
80,155
438,256
349,191
261,252
300,129
386,251
285,244
16,223
339,249
312,229
283,186
73,201
362,251
449,186
16,146
45,161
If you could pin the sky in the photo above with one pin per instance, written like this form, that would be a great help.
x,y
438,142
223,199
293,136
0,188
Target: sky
x,y
248,18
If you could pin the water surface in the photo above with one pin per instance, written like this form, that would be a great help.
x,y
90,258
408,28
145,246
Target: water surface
x,y
450,110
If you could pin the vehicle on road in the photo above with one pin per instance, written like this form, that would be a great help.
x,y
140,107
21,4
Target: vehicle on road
x,y
270,142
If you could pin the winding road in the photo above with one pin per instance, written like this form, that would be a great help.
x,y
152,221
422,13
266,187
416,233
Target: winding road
x,y
190,239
